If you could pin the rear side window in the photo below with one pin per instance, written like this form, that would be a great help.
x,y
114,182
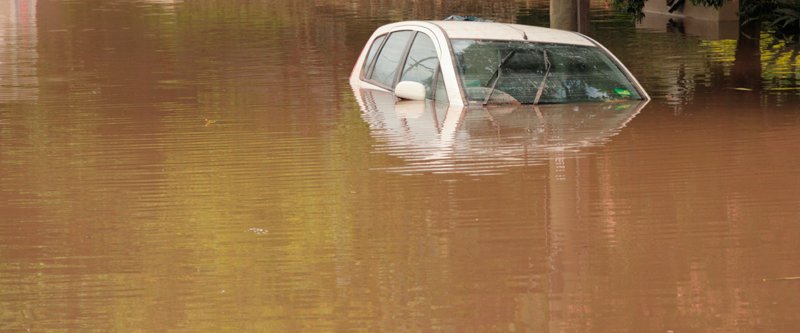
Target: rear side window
x,y
385,70
372,51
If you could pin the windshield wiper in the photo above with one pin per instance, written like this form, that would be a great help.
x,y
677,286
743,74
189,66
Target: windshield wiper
x,y
496,75
544,78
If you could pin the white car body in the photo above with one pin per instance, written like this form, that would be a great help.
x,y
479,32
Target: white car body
x,y
442,32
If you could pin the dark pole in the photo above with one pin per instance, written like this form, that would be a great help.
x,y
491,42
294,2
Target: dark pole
x,y
570,15
583,16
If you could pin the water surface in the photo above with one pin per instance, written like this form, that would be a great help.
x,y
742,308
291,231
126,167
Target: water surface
x,y
204,166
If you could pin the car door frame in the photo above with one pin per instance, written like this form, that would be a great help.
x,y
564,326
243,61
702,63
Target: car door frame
x,y
455,95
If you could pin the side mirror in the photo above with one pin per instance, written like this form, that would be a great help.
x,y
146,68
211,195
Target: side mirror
x,y
410,90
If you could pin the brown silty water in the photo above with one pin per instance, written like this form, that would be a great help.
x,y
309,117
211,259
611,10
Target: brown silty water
x,y
204,166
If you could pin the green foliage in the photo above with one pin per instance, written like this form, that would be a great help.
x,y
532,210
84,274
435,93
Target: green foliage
x,y
709,3
786,18
780,16
756,10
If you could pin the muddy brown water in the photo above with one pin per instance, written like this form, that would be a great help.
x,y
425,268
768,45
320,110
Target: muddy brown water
x,y
203,166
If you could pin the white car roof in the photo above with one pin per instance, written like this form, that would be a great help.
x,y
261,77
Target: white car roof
x,y
502,31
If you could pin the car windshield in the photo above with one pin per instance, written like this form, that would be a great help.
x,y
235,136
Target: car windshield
x,y
529,73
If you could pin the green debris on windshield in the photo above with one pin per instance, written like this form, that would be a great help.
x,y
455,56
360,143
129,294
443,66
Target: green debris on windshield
x,y
622,92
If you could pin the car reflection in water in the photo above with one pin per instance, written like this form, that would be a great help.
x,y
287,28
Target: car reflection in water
x,y
435,137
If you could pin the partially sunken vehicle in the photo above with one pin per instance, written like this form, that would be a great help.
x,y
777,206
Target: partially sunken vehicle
x,y
467,63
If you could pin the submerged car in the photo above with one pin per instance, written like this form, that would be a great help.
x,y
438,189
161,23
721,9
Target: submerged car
x,y
467,63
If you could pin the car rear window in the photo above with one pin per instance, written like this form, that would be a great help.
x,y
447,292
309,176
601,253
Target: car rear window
x,y
372,51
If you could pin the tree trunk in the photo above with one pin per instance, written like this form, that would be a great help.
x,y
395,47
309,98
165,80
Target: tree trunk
x,y
746,71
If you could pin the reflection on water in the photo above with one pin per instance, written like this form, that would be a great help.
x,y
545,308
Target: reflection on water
x,y
204,166
18,80
438,138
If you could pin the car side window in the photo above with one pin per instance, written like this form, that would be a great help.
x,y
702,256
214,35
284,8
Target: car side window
x,y
421,63
371,54
388,61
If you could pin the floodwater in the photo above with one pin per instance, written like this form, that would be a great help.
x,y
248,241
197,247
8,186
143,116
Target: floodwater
x,y
204,166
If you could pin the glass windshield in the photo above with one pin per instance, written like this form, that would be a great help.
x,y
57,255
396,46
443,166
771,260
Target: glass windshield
x,y
502,71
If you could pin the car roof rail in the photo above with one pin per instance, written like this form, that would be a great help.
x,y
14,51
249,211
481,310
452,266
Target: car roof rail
x,y
466,18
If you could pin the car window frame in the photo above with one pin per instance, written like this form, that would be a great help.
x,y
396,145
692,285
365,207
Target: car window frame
x,y
367,76
368,66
